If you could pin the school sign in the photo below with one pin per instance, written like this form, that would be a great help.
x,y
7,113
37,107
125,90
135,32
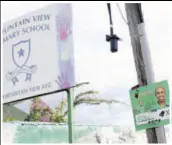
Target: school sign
x,y
38,53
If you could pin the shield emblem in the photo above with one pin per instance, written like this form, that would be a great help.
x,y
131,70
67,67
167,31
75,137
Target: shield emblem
x,y
21,52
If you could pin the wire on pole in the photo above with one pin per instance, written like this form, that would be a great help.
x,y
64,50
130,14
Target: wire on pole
x,y
122,14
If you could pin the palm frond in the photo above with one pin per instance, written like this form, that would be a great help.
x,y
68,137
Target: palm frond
x,y
81,84
86,94
94,101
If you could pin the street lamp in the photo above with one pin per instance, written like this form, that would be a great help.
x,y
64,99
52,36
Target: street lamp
x,y
112,38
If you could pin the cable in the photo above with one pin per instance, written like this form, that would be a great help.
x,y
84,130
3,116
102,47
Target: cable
x,y
122,14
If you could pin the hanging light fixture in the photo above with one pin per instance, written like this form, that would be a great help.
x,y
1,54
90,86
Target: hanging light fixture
x,y
112,38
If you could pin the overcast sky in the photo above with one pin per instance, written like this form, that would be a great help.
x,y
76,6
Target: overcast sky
x,y
111,74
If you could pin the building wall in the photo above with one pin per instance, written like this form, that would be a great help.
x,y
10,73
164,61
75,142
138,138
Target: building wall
x,y
22,132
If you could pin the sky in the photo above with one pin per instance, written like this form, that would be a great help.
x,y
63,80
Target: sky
x,y
112,74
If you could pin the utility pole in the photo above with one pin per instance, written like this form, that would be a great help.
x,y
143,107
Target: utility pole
x,y
142,60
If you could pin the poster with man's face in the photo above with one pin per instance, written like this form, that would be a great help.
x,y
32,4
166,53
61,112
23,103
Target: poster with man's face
x,y
150,105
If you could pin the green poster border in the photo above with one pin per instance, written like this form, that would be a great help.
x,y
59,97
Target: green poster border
x,y
151,125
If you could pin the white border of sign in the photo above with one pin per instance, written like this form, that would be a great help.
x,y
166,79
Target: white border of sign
x,y
38,53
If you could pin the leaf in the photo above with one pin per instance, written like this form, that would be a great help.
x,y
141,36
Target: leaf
x,y
61,107
94,101
81,84
86,93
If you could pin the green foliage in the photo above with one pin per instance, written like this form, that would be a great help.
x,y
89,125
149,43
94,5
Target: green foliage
x,y
60,112
59,118
8,119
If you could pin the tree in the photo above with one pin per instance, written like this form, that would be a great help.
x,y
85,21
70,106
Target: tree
x,y
39,111
85,98
46,114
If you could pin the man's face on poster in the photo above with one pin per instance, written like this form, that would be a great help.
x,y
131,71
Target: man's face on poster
x,y
160,94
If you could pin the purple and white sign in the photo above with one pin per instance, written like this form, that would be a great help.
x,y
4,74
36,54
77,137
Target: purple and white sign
x,y
38,54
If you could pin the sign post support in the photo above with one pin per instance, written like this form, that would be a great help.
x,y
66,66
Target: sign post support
x,y
70,115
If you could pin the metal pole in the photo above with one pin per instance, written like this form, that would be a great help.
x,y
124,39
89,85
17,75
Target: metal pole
x,y
70,110
142,60
110,16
